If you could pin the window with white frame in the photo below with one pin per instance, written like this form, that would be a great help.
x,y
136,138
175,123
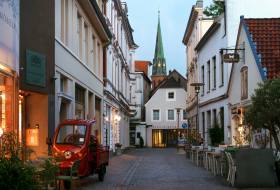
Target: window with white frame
x,y
64,21
208,76
93,51
221,69
79,35
214,72
171,96
156,116
98,60
202,79
85,44
170,115
244,83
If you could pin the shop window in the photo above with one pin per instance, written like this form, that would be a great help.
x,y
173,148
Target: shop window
x,y
6,102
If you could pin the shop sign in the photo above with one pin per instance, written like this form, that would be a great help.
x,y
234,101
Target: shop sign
x,y
35,68
9,33
231,58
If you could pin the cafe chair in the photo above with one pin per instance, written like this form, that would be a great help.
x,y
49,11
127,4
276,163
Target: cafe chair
x,y
231,169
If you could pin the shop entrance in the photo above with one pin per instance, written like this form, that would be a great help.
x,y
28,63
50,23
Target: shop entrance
x,y
163,138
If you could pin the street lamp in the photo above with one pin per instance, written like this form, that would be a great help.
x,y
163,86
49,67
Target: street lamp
x,y
197,86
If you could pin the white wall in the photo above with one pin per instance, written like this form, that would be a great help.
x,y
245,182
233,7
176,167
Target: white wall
x,y
254,76
9,38
80,63
209,50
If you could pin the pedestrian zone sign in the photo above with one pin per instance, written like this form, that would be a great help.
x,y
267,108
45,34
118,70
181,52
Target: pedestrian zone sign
x,y
184,125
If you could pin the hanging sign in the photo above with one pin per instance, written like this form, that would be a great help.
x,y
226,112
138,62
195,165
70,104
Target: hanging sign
x,y
231,58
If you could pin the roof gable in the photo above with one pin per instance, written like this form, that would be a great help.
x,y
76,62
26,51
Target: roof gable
x,y
173,80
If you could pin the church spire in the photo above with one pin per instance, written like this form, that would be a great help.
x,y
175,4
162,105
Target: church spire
x,y
159,65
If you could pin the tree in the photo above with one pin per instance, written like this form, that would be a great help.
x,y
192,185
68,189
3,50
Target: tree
x,y
264,111
215,9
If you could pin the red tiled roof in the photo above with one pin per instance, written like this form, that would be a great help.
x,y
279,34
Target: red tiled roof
x,y
266,34
142,66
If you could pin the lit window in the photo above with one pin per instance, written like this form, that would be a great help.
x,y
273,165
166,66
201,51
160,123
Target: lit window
x,y
170,115
156,115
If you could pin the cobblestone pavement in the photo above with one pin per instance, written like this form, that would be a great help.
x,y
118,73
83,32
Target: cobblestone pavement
x,y
155,169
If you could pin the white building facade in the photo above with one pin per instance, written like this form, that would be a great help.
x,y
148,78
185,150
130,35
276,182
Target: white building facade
x,y
256,66
140,91
81,37
213,72
197,25
120,56
165,112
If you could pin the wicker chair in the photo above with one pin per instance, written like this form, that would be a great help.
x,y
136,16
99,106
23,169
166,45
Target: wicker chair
x,y
232,169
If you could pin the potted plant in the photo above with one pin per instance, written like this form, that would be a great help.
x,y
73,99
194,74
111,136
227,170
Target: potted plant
x,y
118,147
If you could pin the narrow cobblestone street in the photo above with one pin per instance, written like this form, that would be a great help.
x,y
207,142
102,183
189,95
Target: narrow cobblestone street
x,y
154,169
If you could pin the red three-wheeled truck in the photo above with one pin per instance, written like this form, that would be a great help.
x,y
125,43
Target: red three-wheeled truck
x,y
76,141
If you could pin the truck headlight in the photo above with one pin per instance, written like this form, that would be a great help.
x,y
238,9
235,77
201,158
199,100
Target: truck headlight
x,y
67,154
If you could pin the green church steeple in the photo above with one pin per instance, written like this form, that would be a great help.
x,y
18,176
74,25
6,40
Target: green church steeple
x,y
159,65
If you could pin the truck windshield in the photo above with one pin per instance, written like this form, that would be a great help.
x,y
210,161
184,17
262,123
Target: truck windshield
x,y
71,134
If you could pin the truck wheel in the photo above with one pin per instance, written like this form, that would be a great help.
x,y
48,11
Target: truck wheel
x,y
101,173
67,184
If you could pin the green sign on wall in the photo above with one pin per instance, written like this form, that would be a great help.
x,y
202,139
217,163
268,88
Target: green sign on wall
x,y
35,68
